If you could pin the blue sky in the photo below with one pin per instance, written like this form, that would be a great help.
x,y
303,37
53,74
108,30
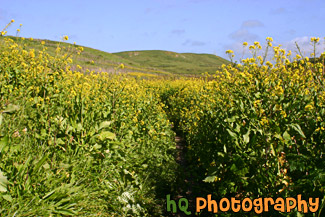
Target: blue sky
x,y
199,26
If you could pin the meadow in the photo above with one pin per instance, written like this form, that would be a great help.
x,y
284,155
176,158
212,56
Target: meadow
x,y
78,140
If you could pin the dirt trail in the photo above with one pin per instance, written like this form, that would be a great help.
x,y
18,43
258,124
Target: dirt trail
x,y
185,181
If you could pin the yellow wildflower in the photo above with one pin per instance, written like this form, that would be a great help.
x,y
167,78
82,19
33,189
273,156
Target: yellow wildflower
x,y
252,47
309,107
283,113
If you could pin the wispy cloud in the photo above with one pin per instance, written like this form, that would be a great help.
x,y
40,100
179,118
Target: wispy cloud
x,y
290,32
303,42
194,43
278,11
198,43
252,24
237,47
150,34
243,35
198,1
305,45
177,31
148,10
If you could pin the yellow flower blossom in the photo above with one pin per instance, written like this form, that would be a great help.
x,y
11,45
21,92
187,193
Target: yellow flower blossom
x,y
269,39
309,107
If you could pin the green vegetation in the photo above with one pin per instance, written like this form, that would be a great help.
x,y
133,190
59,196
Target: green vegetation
x,y
83,142
151,62
176,63
79,144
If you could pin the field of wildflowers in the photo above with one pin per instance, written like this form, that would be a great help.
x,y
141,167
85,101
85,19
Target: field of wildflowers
x,y
76,143
255,129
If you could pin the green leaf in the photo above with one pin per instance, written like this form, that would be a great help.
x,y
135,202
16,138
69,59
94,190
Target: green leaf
x,y
286,136
3,182
105,124
278,136
3,142
232,134
237,129
246,137
210,179
233,168
43,133
46,166
11,108
297,128
1,118
232,119
273,151
97,146
7,197
39,164
115,146
59,141
48,194
106,135
79,127
322,177
299,214
258,94
65,212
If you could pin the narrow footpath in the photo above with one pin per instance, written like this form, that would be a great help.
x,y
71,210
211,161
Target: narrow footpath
x,y
185,182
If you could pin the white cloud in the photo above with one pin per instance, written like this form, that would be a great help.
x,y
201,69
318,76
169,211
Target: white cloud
x,y
198,1
278,11
290,32
243,35
303,42
252,24
193,43
178,31
305,45
242,52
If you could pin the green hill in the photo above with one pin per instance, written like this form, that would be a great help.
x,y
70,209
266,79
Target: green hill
x,y
137,62
176,63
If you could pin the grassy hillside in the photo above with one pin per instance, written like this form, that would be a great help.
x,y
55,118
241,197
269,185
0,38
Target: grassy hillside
x,y
136,62
179,63
90,58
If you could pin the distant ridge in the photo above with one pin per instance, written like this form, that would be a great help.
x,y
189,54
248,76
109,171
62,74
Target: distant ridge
x,y
144,61
176,63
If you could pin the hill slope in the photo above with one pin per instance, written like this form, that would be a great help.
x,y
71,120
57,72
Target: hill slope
x,y
179,63
148,61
